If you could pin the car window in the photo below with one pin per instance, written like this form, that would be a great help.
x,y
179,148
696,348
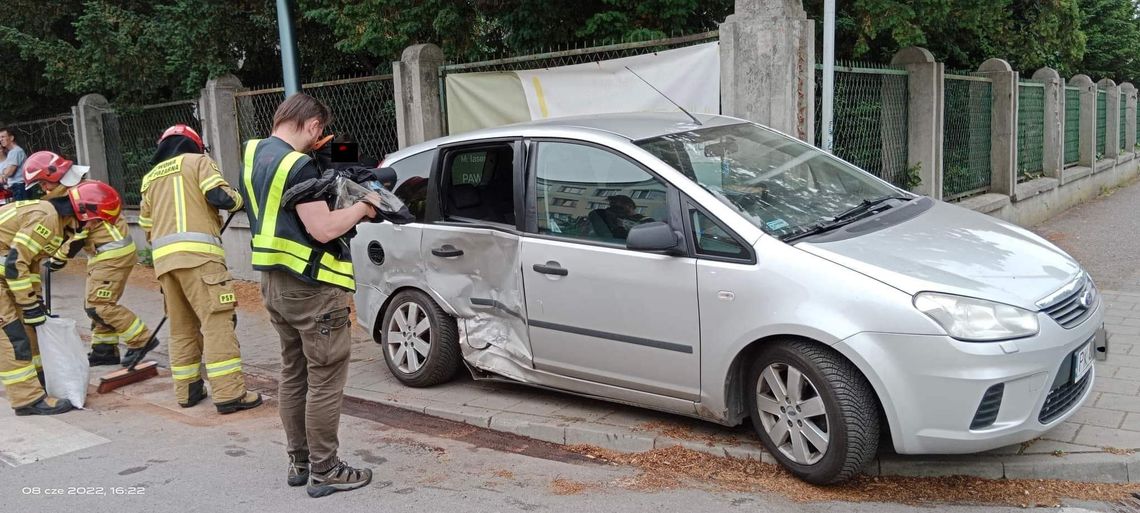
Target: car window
x,y
412,181
712,239
480,184
589,193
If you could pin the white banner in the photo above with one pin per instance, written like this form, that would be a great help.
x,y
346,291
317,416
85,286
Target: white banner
x,y
690,76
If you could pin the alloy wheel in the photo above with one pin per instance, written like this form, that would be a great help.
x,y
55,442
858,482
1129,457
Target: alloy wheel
x,y
409,337
792,413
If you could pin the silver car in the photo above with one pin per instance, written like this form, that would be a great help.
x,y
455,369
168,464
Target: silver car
x,y
714,268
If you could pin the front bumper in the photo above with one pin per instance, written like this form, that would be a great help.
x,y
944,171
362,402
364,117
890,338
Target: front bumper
x,y
932,387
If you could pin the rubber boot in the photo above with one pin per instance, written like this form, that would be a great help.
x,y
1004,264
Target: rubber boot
x,y
103,354
197,393
248,401
48,405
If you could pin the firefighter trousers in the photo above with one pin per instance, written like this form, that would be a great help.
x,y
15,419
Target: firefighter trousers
x,y
111,322
200,304
19,354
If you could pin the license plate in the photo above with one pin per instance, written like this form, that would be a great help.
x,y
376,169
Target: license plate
x,y
1082,362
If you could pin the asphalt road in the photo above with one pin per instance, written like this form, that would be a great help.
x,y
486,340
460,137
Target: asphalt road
x,y
195,460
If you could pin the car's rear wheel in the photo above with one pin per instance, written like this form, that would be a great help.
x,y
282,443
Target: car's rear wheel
x,y
814,411
420,340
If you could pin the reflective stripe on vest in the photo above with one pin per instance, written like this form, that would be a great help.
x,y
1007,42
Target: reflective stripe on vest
x,y
270,250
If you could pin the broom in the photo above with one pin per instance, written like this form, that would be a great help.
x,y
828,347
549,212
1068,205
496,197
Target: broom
x,y
138,370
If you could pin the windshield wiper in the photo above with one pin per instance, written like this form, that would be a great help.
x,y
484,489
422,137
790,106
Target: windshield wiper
x,y
844,218
866,206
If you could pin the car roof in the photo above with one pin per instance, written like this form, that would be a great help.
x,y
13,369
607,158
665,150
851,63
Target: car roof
x,y
631,126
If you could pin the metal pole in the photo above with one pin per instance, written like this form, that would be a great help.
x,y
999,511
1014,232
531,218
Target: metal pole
x,y
289,70
828,106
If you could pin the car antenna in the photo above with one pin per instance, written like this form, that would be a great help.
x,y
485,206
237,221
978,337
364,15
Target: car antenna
x,y
687,113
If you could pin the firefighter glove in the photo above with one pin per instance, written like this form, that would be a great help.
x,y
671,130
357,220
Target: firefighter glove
x,y
35,315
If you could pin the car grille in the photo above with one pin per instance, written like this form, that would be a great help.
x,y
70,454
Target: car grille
x,y
1071,309
1062,398
988,409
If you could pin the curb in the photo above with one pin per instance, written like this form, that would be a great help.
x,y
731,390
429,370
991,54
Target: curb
x,y
1098,467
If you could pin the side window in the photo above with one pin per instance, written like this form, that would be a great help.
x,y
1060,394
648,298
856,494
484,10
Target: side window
x,y
412,181
589,193
712,239
479,184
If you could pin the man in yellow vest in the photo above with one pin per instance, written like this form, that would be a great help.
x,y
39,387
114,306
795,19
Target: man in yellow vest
x,y
111,256
181,196
29,232
306,282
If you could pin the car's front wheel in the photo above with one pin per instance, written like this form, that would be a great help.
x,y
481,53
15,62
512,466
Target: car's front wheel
x,y
420,340
814,411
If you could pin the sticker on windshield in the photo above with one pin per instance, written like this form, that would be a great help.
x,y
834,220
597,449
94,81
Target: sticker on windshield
x,y
777,224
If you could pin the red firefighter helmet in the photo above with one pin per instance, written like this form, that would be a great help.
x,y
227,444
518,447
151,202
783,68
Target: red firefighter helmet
x,y
185,131
45,166
93,199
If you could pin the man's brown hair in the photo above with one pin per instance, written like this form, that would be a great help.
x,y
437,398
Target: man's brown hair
x,y
298,109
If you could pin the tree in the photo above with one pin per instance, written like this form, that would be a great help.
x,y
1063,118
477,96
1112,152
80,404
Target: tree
x,y
1113,40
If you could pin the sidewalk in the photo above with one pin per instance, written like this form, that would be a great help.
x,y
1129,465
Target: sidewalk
x,y
1095,445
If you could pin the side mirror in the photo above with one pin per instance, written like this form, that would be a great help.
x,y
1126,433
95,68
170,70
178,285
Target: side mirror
x,y
655,236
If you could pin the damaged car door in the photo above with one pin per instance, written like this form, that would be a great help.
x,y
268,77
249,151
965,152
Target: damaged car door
x,y
472,252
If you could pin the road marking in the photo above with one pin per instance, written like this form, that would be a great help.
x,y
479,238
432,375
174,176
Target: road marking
x,y
30,439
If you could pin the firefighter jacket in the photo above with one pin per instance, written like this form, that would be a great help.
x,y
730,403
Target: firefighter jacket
x,y
180,201
29,232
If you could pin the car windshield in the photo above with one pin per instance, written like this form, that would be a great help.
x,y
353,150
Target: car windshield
x,y
780,184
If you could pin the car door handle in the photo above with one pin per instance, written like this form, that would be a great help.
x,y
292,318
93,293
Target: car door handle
x,y
446,251
551,268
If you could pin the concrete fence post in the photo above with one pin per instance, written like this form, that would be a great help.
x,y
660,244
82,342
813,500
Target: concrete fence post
x,y
1111,144
1003,125
762,45
218,110
90,143
926,82
1054,136
1129,134
1088,120
415,81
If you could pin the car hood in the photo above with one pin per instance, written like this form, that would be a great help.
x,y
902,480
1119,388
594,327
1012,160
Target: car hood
x,y
957,251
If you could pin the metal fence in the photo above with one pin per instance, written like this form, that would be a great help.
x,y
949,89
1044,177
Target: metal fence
x,y
55,134
869,122
1101,122
1030,130
1072,125
1122,140
569,57
966,136
130,138
363,109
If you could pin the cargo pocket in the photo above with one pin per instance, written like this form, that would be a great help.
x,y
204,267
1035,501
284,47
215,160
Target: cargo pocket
x,y
220,290
332,342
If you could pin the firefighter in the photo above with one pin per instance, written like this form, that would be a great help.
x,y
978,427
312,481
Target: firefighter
x,y
111,256
181,196
306,278
29,231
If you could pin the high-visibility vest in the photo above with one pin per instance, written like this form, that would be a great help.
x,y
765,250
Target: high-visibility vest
x,y
279,240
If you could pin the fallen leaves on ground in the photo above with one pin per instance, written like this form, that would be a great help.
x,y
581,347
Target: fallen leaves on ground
x,y
562,486
674,467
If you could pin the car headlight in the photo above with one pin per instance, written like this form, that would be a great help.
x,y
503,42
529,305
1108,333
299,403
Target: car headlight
x,y
976,320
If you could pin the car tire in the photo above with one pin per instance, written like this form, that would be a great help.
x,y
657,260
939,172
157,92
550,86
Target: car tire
x,y
402,342
830,384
